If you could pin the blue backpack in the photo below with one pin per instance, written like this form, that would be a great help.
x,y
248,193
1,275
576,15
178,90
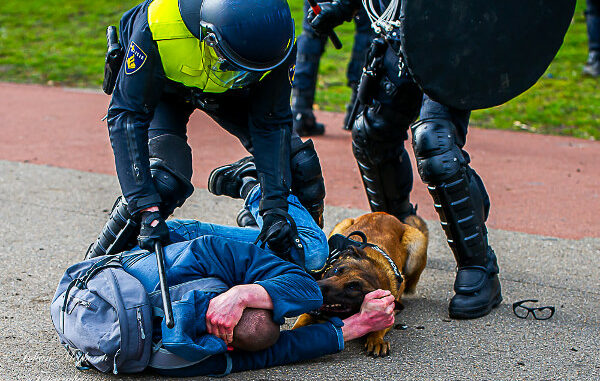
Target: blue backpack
x,y
103,316
104,319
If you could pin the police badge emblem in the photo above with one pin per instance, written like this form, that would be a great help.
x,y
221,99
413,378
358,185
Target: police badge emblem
x,y
135,58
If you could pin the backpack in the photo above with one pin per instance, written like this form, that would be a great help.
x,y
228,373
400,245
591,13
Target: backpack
x,y
104,319
103,316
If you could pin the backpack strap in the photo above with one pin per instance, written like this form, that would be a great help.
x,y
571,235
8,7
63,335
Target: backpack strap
x,y
81,282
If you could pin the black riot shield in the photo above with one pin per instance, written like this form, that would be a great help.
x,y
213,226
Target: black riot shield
x,y
473,54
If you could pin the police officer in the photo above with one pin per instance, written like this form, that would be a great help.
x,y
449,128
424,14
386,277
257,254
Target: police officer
x,y
234,60
459,196
311,46
592,17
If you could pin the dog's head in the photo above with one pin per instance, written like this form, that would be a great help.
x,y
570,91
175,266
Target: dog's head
x,y
345,284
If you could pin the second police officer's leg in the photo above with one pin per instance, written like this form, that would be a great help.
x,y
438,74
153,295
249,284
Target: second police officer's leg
x,y
378,139
310,48
462,203
592,16
362,39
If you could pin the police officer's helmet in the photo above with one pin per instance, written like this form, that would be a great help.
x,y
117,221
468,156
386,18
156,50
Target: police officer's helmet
x,y
247,36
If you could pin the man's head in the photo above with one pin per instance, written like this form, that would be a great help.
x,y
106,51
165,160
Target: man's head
x,y
255,331
247,37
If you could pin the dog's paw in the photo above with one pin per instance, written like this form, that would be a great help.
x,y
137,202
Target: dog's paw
x,y
377,347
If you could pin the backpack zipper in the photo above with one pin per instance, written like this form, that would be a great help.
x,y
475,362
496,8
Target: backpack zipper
x,y
141,323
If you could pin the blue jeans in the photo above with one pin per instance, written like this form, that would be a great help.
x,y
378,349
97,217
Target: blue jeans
x,y
313,239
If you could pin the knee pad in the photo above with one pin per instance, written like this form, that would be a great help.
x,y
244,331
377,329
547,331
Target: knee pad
x,y
307,179
375,138
438,156
171,169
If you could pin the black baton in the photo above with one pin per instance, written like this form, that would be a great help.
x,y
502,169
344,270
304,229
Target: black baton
x,y
164,289
332,36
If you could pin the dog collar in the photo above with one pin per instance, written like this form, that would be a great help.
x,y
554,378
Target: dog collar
x,y
338,243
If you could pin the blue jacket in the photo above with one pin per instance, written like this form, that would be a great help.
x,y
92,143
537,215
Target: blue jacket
x,y
292,290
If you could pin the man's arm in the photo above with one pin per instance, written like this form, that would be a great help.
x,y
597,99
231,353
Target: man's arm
x,y
291,289
137,91
305,343
270,119
225,310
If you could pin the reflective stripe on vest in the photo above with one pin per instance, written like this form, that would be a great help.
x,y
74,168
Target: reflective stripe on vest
x,y
180,51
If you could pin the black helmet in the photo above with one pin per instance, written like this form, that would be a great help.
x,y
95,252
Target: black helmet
x,y
253,35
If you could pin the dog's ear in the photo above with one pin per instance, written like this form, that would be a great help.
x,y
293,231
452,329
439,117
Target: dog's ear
x,y
355,252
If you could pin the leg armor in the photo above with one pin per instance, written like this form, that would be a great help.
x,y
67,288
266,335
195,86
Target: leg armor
x,y
307,179
310,48
377,144
171,168
459,199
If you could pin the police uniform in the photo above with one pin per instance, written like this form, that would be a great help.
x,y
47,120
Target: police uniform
x,y
394,103
162,81
592,16
311,46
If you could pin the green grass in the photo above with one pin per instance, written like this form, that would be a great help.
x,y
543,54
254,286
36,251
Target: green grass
x,y
63,43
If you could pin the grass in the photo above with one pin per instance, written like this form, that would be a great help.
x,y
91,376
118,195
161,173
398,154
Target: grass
x,y
62,43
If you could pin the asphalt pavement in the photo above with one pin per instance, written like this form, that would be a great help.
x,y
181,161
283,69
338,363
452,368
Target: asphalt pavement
x,y
51,214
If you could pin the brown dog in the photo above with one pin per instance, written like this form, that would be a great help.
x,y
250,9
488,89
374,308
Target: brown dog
x,y
358,271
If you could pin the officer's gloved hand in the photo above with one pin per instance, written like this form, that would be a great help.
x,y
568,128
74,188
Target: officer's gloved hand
x,y
153,228
332,14
279,232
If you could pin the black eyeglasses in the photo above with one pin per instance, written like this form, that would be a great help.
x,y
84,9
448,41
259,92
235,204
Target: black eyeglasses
x,y
539,313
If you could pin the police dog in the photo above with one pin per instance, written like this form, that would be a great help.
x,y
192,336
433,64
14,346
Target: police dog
x,y
357,271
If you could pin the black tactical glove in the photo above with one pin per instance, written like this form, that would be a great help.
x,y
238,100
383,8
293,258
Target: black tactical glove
x,y
150,234
332,14
280,233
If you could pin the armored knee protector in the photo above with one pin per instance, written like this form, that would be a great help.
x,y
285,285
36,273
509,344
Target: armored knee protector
x,y
118,234
457,196
171,168
307,179
377,145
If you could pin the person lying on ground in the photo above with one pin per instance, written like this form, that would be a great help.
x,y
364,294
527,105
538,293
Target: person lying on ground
x,y
261,290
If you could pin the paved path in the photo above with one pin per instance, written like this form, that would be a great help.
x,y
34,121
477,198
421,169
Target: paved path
x,y
538,184
51,213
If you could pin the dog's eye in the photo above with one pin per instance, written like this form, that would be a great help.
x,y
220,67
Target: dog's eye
x,y
338,271
353,286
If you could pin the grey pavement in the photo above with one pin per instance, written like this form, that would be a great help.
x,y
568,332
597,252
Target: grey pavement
x,y
50,215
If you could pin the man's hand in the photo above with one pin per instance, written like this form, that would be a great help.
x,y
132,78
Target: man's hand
x,y
225,310
153,228
376,313
332,14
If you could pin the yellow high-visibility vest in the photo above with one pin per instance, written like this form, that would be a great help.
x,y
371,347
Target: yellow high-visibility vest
x,y
180,52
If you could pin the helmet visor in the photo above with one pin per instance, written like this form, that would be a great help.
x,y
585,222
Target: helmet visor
x,y
221,71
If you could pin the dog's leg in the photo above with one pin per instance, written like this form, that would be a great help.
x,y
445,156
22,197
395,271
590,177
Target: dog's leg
x,y
343,225
304,319
416,258
376,346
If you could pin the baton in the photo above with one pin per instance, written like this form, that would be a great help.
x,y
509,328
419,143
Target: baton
x,y
332,36
164,290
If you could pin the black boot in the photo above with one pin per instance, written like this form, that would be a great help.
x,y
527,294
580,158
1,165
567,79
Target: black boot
x,y
459,205
592,66
305,124
231,179
245,219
